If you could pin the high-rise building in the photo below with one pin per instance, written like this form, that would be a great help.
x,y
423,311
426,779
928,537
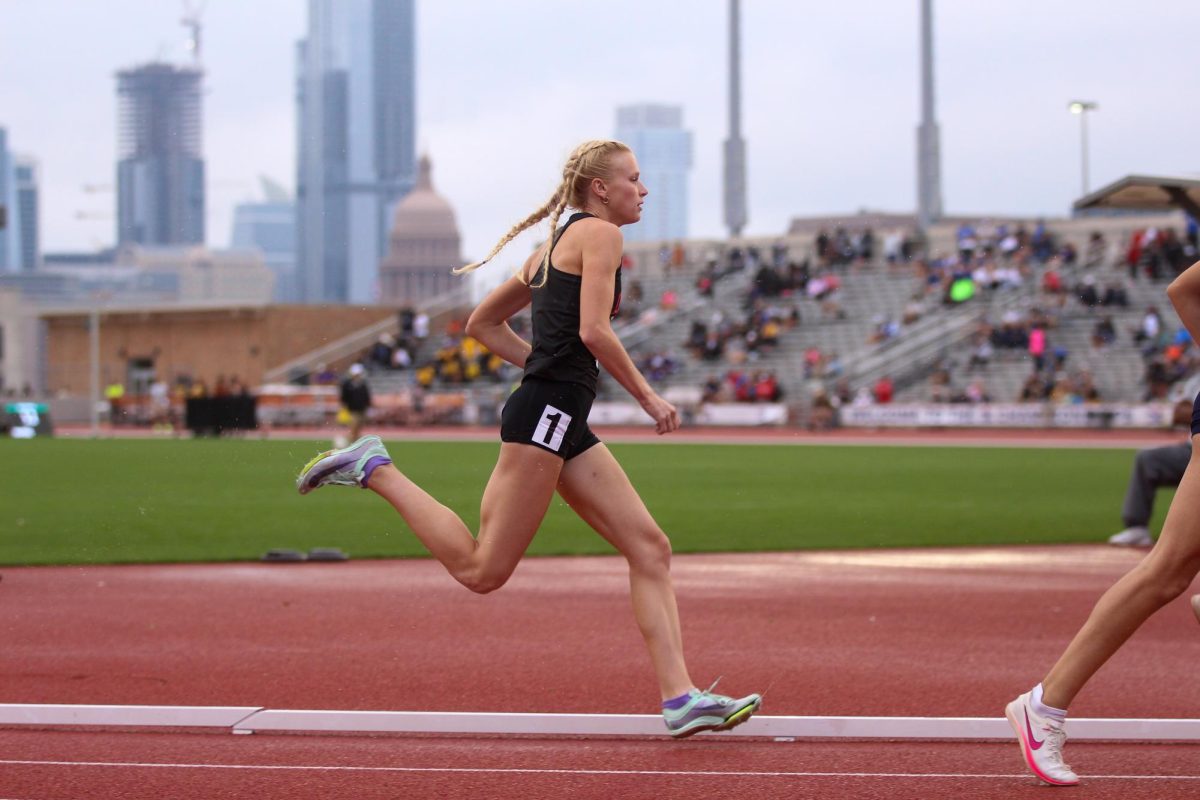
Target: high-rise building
x,y
356,107
270,227
664,153
160,164
20,249
28,223
8,207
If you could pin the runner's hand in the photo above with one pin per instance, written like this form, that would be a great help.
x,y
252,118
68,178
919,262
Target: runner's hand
x,y
665,415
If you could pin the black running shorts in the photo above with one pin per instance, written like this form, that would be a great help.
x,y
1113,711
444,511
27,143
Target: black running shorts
x,y
551,415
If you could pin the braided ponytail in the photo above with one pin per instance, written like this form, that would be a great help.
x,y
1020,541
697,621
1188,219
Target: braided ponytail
x,y
554,204
587,162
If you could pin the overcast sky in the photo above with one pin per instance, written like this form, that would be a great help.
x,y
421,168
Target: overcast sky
x,y
505,90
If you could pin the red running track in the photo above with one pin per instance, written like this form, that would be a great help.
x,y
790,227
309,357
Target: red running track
x,y
880,633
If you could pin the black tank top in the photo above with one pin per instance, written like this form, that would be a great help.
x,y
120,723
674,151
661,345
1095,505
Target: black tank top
x,y
558,352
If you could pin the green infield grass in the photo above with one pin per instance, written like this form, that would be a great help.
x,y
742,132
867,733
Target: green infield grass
x,y
68,501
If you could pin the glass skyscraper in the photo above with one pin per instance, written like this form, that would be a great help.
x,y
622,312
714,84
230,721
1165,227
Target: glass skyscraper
x,y
8,207
356,108
20,248
25,184
664,153
271,228
160,165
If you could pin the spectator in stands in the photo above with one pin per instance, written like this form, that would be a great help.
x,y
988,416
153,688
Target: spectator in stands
x,y
892,242
1034,389
325,376
696,337
914,309
356,400
1172,252
1086,292
658,366
981,355
1068,254
714,348
1097,247
976,392
813,362
711,391
833,367
966,243
866,245
940,390
883,390
1104,333
1061,354
822,247
1157,378
1063,390
678,256
885,328
1037,347
421,326
1041,242
769,332
766,388
405,316
1052,283
1085,387
380,353
779,255
823,415
1149,328
1115,295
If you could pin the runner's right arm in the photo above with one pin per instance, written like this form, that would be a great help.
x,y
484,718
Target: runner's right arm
x,y
1184,292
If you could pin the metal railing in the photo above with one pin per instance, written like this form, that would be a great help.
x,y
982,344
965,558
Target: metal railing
x,y
361,339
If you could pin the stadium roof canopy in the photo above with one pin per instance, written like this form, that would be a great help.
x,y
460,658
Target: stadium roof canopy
x,y
1146,192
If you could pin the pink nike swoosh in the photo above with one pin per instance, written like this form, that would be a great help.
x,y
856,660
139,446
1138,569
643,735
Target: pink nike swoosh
x,y
1033,742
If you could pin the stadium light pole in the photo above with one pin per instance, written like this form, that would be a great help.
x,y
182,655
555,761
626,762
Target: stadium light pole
x,y
1081,108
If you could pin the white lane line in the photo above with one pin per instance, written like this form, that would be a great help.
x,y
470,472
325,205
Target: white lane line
x,y
524,771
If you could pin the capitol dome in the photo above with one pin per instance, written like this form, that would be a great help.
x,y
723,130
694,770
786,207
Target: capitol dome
x,y
423,213
423,246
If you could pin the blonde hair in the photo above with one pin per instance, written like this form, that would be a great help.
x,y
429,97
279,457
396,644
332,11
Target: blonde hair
x,y
587,162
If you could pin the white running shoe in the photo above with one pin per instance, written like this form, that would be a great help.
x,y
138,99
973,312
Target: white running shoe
x,y
1042,741
1132,537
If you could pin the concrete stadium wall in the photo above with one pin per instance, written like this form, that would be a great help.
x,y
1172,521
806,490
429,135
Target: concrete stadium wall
x,y
200,343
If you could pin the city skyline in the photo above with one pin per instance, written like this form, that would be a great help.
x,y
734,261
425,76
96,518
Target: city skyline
x,y
356,122
830,109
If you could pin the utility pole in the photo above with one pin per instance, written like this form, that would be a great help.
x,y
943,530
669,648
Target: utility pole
x,y
929,177
735,147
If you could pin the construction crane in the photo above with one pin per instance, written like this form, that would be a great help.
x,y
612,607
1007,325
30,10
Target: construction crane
x,y
191,20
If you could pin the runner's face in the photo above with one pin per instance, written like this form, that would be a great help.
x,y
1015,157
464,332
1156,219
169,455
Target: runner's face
x,y
625,189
